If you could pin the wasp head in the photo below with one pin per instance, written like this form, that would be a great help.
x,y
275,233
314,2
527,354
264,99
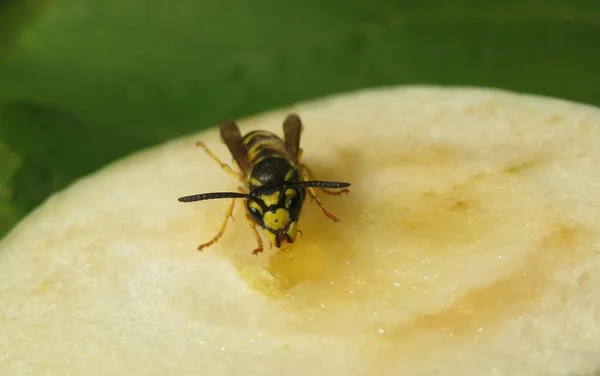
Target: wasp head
x,y
276,210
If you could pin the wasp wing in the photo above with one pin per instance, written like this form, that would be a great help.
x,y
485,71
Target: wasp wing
x,y
232,137
292,127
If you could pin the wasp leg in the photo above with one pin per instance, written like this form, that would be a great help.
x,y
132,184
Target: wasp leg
x,y
223,165
228,214
258,238
328,214
313,196
308,172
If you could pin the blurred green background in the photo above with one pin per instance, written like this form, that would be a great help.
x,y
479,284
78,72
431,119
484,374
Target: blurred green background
x,y
83,82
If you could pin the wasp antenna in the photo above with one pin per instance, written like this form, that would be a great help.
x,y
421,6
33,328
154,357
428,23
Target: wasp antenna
x,y
212,196
320,184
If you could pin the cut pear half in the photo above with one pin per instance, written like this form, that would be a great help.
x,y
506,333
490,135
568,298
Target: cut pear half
x,y
469,244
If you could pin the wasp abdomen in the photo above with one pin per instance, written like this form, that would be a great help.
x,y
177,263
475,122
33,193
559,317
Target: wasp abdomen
x,y
263,144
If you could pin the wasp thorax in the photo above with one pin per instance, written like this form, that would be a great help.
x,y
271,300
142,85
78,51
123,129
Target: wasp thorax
x,y
277,212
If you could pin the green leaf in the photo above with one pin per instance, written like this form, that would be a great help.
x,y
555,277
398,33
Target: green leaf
x,y
55,149
143,71
9,164
14,16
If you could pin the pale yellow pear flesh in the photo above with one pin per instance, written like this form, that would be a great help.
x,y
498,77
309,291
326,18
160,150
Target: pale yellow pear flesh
x,y
469,244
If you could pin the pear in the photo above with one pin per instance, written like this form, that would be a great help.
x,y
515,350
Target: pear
x,y
469,244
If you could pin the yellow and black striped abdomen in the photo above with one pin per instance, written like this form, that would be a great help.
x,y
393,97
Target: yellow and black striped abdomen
x,y
269,159
263,144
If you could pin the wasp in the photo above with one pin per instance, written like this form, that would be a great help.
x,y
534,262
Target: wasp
x,y
274,182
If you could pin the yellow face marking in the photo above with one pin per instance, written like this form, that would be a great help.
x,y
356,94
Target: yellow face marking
x,y
292,230
289,194
291,233
272,237
277,220
256,206
289,175
255,182
272,199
